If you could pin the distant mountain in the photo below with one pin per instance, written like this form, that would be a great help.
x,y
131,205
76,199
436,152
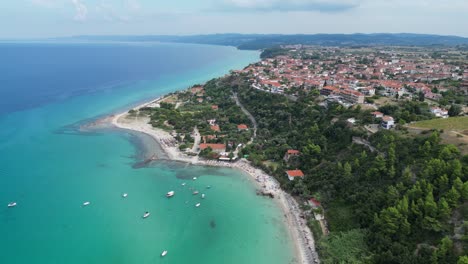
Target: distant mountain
x,y
258,41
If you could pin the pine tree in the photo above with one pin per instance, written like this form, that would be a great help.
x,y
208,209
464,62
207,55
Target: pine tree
x,y
452,197
444,209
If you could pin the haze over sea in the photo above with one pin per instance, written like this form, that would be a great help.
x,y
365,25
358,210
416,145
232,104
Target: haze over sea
x,y
50,169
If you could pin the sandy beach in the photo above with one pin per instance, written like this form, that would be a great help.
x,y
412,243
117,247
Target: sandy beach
x,y
300,233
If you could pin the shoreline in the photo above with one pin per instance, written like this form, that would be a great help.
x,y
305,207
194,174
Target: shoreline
x,y
303,241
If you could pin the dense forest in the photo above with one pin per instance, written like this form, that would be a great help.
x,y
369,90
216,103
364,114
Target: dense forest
x,y
402,200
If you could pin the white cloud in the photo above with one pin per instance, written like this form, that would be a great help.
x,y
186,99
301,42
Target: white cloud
x,y
133,5
109,13
81,11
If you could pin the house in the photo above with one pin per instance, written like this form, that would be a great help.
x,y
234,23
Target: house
x,y
368,91
215,128
291,153
377,114
214,107
292,174
197,90
431,95
439,112
218,148
212,122
351,121
314,203
242,127
387,122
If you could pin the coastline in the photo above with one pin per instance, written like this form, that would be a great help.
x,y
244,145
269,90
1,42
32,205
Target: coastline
x,y
303,241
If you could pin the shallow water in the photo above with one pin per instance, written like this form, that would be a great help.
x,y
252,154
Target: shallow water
x,y
50,169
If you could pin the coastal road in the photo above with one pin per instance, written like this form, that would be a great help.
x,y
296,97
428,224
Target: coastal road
x,y
197,137
252,119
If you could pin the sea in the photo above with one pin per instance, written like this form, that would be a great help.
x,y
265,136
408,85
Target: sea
x,y
50,168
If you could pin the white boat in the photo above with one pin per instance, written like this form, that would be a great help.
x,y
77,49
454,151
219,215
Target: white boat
x,y
208,187
170,194
197,205
194,178
146,215
183,184
203,196
86,203
12,204
195,192
164,253
125,195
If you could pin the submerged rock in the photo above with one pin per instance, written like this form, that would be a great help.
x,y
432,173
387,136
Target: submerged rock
x,y
212,224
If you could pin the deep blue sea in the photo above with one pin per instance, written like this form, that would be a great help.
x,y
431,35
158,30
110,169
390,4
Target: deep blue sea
x,y
50,169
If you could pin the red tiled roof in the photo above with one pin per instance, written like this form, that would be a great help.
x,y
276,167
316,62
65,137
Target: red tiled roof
x,y
242,126
215,128
315,202
387,118
214,107
295,173
293,152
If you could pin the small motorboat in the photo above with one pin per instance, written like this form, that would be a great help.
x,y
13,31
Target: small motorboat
x,y
197,205
183,184
195,192
170,194
146,215
125,195
164,253
86,203
13,204
208,187
203,196
194,178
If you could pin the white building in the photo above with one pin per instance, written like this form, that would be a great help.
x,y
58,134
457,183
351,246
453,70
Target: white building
x,y
439,112
387,122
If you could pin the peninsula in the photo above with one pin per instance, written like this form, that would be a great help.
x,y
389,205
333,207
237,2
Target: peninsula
x,y
332,135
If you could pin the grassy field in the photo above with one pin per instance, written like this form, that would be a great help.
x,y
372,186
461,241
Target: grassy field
x,y
455,130
452,123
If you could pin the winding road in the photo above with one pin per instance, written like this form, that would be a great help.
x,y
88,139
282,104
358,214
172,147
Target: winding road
x,y
252,119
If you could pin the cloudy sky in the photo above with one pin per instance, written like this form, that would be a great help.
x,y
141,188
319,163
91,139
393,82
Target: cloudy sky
x,y
49,18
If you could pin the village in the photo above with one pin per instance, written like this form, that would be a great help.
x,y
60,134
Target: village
x,y
359,76
368,77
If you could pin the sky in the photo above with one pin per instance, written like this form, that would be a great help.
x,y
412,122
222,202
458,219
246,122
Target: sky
x,y
57,18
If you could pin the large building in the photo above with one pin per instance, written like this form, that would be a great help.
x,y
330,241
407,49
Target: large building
x,y
348,95
352,96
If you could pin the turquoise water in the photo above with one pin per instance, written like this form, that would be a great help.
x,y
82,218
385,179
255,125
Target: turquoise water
x,y
49,169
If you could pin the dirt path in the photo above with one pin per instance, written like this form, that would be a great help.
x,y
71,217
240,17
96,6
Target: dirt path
x,y
251,117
